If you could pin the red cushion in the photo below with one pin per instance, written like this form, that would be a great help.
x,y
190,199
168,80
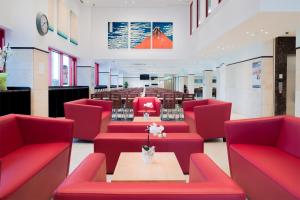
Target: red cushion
x,y
274,165
21,165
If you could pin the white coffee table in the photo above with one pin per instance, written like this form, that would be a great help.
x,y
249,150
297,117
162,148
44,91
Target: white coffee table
x,y
131,168
150,119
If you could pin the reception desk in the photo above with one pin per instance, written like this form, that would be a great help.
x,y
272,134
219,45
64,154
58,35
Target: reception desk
x,y
15,100
59,95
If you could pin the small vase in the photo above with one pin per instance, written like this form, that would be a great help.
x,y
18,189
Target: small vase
x,y
146,116
3,81
148,155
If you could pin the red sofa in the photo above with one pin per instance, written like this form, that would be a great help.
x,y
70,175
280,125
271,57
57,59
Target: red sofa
x,y
207,182
182,144
264,157
90,117
139,108
207,117
34,156
140,127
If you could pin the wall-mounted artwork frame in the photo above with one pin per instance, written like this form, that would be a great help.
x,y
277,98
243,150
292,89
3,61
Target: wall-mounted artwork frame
x,y
140,35
162,35
117,35
256,74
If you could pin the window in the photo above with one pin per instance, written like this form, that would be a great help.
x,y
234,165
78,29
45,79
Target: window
x,y
62,69
2,37
208,7
191,18
198,13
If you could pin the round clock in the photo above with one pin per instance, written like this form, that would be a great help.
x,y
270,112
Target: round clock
x,y
42,24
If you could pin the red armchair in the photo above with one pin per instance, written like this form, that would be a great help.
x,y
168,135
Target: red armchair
x,y
207,182
139,108
90,117
264,156
34,155
207,117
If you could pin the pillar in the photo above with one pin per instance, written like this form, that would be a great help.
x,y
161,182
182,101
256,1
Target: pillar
x,y
207,84
297,86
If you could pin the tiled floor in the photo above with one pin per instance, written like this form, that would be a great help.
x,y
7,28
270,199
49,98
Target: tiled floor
x,y
216,150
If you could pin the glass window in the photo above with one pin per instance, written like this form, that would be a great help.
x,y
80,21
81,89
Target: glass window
x,y
1,38
208,7
55,69
66,71
63,69
198,12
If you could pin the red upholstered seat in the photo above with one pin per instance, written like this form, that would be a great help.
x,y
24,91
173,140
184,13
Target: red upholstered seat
x,y
183,144
34,156
21,165
207,117
86,183
264,156
139,109
90,117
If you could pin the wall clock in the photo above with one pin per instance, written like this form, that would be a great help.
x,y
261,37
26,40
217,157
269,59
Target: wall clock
x,y
42,24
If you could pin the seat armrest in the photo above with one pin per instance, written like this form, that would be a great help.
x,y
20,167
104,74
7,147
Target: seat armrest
x,y
189,105
157,105
135,106
262,131
106,105
203,169
92,169
36,130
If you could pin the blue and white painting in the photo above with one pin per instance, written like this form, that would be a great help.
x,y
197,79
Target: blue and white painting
x,y
140,35
162,35
117,35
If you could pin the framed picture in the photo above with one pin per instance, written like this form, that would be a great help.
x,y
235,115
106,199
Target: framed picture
x,y
117,35
140,35
162,35
256,74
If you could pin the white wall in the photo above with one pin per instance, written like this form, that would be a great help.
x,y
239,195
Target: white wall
x,y
177,15
236,82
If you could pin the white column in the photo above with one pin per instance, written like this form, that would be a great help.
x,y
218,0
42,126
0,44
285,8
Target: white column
x,y
29,68
297,92
207,84
191,83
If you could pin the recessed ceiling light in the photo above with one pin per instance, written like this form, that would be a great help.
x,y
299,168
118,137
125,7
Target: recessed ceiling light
x,y
266,32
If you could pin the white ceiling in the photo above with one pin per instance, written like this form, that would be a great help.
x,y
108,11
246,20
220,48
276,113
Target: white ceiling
x,y
135,3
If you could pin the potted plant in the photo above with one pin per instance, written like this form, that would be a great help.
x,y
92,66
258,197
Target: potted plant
x,y
148,150
126,84
5,53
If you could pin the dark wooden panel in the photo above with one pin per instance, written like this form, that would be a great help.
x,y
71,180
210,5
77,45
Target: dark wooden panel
x,y
15,100
59,95
284,46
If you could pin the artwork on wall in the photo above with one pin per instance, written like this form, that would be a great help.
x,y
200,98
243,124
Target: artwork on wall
x,y
140,35
256,75
162,35
117,35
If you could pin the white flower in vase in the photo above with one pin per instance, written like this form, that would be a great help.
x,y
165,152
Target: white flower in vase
x,y
147,150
